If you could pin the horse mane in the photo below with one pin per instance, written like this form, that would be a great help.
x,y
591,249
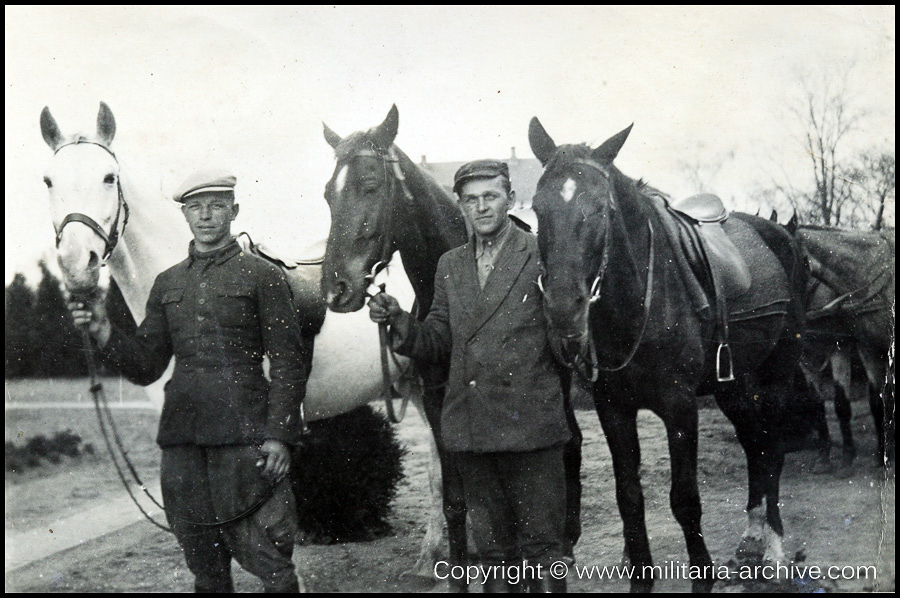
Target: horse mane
x,y
622,183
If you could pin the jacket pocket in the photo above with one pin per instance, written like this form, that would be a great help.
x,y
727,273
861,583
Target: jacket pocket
x,y
236,306
175,313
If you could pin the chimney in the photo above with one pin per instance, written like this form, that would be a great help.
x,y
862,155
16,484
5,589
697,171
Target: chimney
x,y
512,152
424,161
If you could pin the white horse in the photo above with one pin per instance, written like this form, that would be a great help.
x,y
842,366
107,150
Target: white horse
x,y
139,233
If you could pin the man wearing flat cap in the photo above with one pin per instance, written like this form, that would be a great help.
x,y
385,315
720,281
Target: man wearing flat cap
x,y
503,415
225,432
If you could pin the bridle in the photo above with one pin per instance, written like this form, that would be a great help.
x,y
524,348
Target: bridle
x,y
397,179
112,238
597,284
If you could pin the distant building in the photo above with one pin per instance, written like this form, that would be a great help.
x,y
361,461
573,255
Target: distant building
x,y
523,175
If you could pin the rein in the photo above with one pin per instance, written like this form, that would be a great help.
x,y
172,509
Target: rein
x,y
105,418
388,392
112,239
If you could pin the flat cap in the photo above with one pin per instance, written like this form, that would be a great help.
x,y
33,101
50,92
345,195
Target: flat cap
x,y
206,181
479,169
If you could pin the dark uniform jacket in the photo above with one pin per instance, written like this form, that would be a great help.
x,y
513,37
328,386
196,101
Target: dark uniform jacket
x,y
218,313
504,392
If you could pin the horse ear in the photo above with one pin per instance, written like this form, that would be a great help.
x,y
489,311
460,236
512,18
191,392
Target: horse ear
x,y
331,137
386,132
793,224
608,151
774,216
541,143
106,124
49,129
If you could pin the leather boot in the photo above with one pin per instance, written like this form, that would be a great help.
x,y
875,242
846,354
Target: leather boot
x,y
493,585
292,587
220,587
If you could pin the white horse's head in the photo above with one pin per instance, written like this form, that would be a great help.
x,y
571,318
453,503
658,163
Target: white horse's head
x,y
86,202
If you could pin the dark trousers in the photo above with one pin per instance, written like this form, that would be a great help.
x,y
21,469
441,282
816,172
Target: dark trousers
x,y
517,504
210,484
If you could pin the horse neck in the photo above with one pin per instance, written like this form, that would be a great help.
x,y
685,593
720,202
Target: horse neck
x,y
426,227
155,239
848,259
623,286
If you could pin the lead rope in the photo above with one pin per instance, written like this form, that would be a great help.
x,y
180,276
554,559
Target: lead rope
x,y
101,406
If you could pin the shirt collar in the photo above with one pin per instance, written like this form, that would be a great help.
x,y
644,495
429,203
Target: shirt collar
x,y
218,256
495,243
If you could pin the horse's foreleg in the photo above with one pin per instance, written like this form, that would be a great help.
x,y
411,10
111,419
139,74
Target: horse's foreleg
x,y
809,389
881,401
447,500
435,530
684,495
621,435
749,431
774,527
572,465
841,371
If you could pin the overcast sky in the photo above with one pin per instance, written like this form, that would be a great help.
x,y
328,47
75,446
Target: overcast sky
x,y
247,88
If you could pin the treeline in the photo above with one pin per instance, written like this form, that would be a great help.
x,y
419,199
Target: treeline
x,y
41,341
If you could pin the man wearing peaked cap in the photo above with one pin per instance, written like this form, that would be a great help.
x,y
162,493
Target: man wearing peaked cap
x,y
206,181
503,418
482,169
225,432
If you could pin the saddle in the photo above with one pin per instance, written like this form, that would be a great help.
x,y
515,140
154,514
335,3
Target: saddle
x,y
304,278
710,263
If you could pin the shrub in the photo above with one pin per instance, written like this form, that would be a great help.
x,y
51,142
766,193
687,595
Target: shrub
x,y
38,448
345,476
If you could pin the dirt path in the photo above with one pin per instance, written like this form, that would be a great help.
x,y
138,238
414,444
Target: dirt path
x,y
829,520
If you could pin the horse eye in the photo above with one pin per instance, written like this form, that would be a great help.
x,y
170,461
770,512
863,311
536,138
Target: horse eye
x,y
109,179
48,182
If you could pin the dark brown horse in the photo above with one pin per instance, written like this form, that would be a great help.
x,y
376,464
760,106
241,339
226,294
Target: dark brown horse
x,y
381,203
617,303
850,298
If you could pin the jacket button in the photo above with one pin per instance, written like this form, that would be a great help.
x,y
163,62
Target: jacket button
x,y
471,383
202,301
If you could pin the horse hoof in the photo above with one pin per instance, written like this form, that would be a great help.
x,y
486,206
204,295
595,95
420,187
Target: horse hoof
x,y
641,586
702,586
750,549
844,472
822,466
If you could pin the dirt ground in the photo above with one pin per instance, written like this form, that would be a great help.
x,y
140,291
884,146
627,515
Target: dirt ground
x,y
830,520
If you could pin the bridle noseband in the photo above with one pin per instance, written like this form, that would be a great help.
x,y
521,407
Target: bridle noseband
x,y
112,239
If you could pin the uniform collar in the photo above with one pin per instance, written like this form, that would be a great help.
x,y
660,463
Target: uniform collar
x,y
218,256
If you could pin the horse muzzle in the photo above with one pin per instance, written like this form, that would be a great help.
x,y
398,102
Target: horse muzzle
x,y
575,351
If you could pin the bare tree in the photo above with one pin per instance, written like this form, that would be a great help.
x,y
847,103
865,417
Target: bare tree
x,y
876,176
827,114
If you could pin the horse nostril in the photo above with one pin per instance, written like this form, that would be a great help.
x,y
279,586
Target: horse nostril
x,y
579,301
93,260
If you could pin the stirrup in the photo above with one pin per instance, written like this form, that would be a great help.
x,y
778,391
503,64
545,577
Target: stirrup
x,y
729,376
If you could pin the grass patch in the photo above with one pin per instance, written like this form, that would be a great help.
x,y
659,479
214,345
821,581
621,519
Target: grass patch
x,y
41,450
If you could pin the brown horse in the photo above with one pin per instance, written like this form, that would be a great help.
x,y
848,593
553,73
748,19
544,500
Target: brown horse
x,y
618,305
382,203
850,298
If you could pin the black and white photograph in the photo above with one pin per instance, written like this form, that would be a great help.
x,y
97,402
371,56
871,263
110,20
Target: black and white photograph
x,y
500,299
